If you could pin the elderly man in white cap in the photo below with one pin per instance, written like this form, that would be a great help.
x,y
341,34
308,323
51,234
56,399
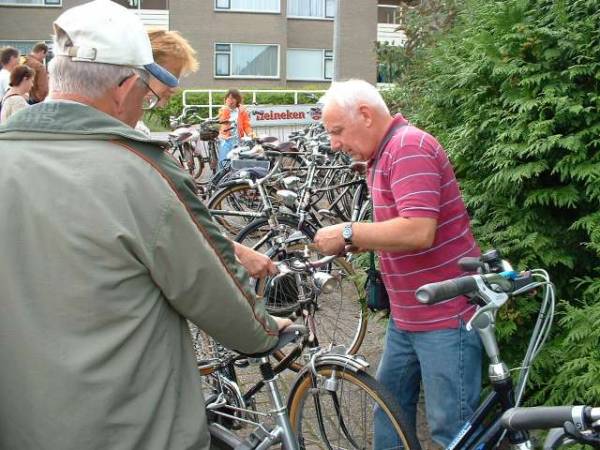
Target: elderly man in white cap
x,y
106,252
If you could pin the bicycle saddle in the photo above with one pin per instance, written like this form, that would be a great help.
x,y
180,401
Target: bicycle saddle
x,y
181,134
283,147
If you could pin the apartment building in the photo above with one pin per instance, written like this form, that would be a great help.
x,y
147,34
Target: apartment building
x,y
25,22
240,43
276,43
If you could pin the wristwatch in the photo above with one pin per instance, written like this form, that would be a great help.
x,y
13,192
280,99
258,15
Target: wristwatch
x,y
347,233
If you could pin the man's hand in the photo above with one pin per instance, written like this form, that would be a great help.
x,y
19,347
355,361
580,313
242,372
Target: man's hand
x,y
257,264
329,240
282,323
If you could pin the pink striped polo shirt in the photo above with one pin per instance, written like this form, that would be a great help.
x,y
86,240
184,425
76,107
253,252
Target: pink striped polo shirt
x,y
414,178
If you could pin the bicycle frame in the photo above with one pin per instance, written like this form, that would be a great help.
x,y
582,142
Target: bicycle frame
x,y
471,435
261,436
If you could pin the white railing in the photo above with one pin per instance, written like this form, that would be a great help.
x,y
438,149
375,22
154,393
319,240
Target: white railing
x,y
250,98
214,107
154,18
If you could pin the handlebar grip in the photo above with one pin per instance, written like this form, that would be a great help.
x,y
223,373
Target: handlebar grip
x,y
432,293
537,418
470,263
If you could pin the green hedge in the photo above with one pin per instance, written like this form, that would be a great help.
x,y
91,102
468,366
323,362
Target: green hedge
x,y
513,93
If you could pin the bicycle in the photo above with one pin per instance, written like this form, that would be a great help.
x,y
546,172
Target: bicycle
x,y
490,289
331,402
567,424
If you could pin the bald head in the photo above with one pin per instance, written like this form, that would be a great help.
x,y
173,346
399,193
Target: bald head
x,y
351,94
356,118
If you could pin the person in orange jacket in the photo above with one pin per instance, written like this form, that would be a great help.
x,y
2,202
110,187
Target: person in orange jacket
x,y
239,126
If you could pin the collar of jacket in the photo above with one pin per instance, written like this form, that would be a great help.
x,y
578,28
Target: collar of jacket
x,y
61,120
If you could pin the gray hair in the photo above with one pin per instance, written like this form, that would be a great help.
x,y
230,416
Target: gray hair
x,y
350,94
89,79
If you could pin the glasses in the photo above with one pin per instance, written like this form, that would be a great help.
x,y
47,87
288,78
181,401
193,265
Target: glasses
x,y
151,99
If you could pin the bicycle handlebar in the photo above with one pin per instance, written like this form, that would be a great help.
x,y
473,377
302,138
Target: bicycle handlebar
x,y
546,417
432,293
506,282
298,265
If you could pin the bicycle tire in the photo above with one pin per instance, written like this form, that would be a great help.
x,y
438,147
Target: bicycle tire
x,y
315,429
195,166
244,236
231,197
328,321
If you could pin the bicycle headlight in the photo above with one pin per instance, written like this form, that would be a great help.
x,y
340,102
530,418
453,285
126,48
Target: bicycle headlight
x,y
325,282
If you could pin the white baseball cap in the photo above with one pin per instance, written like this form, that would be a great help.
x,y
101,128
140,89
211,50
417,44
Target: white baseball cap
x,y
104,32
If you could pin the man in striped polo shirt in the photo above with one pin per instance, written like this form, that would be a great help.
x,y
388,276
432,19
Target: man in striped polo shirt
x,y
420,231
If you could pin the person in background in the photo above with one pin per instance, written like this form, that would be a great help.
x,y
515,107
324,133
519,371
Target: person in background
x,y
239,126
172,51
35,60
21,80
9,59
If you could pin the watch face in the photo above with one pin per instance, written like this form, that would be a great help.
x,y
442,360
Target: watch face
x,y
347,233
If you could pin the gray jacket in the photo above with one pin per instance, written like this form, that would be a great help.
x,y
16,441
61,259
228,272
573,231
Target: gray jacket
x,y
105,251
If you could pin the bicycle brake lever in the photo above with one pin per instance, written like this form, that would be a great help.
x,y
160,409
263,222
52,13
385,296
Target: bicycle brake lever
x,y
572,431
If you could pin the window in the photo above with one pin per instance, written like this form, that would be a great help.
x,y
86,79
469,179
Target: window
x,y
319,9
247,60
32,2
264,6
388,14
307,64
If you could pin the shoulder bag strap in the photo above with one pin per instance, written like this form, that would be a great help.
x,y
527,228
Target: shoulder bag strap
x,y
384,142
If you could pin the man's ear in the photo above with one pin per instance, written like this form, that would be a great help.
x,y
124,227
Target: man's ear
x,y
366,114
123,92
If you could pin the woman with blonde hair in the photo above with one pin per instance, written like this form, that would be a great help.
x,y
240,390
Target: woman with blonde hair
x,y
173,52
21,81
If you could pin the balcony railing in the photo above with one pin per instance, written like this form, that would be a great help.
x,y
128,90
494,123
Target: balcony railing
x,y
154,18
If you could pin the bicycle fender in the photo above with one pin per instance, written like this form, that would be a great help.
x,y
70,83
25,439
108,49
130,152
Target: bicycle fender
x,y
341,361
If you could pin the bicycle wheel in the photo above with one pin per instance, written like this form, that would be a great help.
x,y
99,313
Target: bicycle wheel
x,y
192,162
336,410
239,198
340,317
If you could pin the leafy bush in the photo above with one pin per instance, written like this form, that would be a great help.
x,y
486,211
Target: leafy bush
x,y
513,93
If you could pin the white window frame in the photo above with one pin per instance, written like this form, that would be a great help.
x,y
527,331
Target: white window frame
x,y
324,58
323,17
387,6
251,77
44,4
229,9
